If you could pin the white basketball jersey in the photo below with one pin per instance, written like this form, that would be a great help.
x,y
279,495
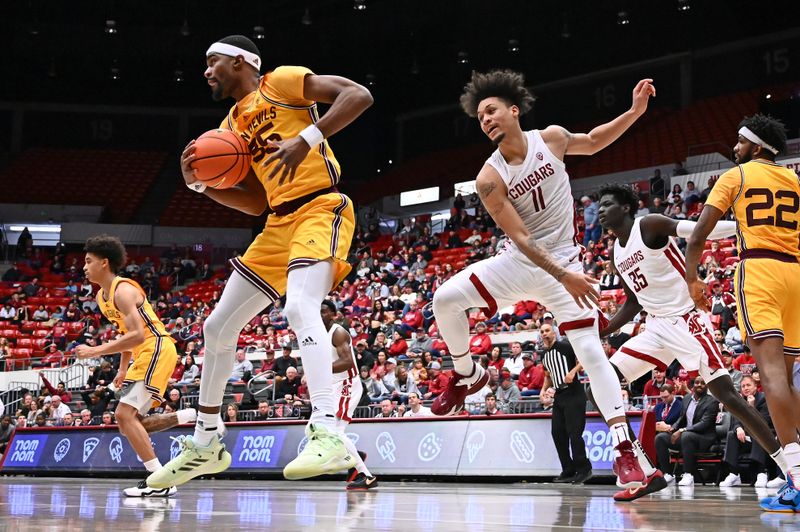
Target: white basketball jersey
x,y
540,192
656,276
352,372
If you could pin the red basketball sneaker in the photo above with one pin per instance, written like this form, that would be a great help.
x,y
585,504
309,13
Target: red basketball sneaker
x,y
626,467
654,483
451,400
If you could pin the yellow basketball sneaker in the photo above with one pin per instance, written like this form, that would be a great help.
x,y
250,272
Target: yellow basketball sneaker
x,y
324,453
192,461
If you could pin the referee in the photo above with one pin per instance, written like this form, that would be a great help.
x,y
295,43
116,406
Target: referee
x,y
569,407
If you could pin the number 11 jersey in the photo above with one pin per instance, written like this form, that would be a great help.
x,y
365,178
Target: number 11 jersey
x,y
656,276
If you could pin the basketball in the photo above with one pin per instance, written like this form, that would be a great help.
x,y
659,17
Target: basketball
x,y
222,158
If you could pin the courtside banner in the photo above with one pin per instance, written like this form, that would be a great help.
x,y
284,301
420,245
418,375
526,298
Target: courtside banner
x,y
516,446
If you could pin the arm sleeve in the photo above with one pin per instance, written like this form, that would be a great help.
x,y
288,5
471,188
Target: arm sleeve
x,y
725,190
723,229
285,84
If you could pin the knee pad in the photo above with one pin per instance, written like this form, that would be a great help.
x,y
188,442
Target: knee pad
x,y
217,336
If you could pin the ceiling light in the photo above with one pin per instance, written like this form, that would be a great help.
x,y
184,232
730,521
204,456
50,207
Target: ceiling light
x,y
370,80
359,5
513,46
463,57
622,18
185,29
306,19
259,33
111,26
178,75
565,31
684,5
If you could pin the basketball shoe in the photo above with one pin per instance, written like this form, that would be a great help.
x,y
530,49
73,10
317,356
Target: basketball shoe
x,y
626,467
451,400
654,483
786,501
192,462
325,453
352,473
362,483
143,490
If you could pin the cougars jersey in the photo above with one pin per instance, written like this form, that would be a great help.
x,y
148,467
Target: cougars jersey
x,y
540,192
277,111
353,371
656,276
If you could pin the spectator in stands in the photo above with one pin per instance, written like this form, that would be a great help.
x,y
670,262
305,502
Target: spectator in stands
x,y
591,221
415,408
399,347
67,421
658,206
87,419
364,357
404,385
285,361
378,369
481,343
58,408
453,240
60,391
288,387
420,344
437,381
531,377
264,411
389,377
739,442
657,184
654,385
547,399
387,410
7,312
668,410
733,339
610,280
53,358
103,375
507,394
231,413
376,391
679,169
242,368
694,431
107,419
412,319
13,274
21,423
643,210
41,314
496,359
736,375
745,362
6,431
190,371
33,288
681,383
514,363
706,191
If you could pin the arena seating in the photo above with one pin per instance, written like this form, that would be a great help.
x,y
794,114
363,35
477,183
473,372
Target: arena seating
x,y
114,178
189,209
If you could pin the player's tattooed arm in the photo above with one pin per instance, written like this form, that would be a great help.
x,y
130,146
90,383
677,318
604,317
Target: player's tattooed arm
x,y
159,422
494,195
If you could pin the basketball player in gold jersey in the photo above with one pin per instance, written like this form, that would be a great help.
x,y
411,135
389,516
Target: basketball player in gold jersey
x,y
144,339
765,199
301,252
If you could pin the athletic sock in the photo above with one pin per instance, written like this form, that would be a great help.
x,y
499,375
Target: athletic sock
x,y
360,466
206,428
187,415
152,465
780,458
619,434
792,453
463,364
644,460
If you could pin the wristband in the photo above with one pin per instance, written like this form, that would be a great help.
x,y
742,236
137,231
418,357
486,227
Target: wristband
x,y
197,186
312,135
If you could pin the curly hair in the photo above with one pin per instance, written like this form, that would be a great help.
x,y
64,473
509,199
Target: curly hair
x,y
624,195
503,83
770,130
107,247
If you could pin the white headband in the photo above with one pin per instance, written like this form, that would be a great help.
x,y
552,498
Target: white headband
x,y
755,139
232,51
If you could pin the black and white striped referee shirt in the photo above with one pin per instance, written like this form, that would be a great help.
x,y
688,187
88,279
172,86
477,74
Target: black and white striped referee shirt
x,y
559,360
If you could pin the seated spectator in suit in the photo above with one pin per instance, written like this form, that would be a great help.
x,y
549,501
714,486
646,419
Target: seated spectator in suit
x,y
739,442
695,431
668,409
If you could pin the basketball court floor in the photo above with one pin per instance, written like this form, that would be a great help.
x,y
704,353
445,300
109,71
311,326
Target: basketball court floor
x,y
70,504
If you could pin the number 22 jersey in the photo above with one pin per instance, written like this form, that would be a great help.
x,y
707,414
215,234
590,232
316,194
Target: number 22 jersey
x,y
656,276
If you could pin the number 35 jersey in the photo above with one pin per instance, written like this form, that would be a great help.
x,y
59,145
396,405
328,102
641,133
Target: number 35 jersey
x,y
765,198
656,276
278,111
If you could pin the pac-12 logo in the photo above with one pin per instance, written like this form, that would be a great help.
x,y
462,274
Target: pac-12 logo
x,y
61,450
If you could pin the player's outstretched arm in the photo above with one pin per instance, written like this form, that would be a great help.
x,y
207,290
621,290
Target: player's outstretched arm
x,y
248,196
694,249
566,143
494,194
126,299
656,228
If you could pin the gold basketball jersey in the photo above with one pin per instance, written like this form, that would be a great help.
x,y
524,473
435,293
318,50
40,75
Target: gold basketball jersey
x,y
152,324
278,111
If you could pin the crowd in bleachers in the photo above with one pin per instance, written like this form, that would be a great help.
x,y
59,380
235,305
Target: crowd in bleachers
x,y
47,309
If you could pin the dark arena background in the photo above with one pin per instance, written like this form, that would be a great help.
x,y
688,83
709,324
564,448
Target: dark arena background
x,y
97,102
